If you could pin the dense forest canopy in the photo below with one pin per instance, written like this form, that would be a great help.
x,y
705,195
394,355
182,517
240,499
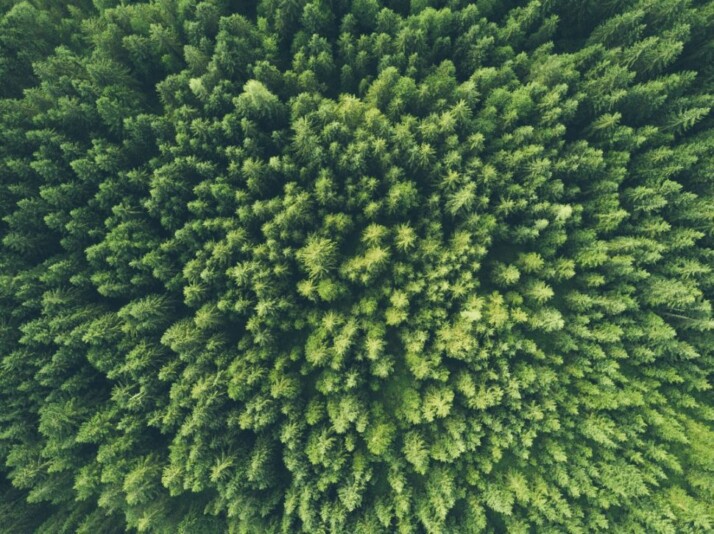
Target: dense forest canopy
x,y
356,266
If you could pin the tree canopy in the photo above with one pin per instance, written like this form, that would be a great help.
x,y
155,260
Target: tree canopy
x,y
356,266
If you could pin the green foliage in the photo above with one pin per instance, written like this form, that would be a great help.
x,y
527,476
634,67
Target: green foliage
x,y
356,266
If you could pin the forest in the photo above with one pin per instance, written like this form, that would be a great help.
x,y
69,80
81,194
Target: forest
x,y
356,266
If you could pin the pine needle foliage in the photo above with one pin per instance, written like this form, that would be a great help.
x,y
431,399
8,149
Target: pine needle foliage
x,y
356,266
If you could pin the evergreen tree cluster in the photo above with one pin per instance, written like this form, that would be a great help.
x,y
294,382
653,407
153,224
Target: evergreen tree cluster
x,y
356,266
